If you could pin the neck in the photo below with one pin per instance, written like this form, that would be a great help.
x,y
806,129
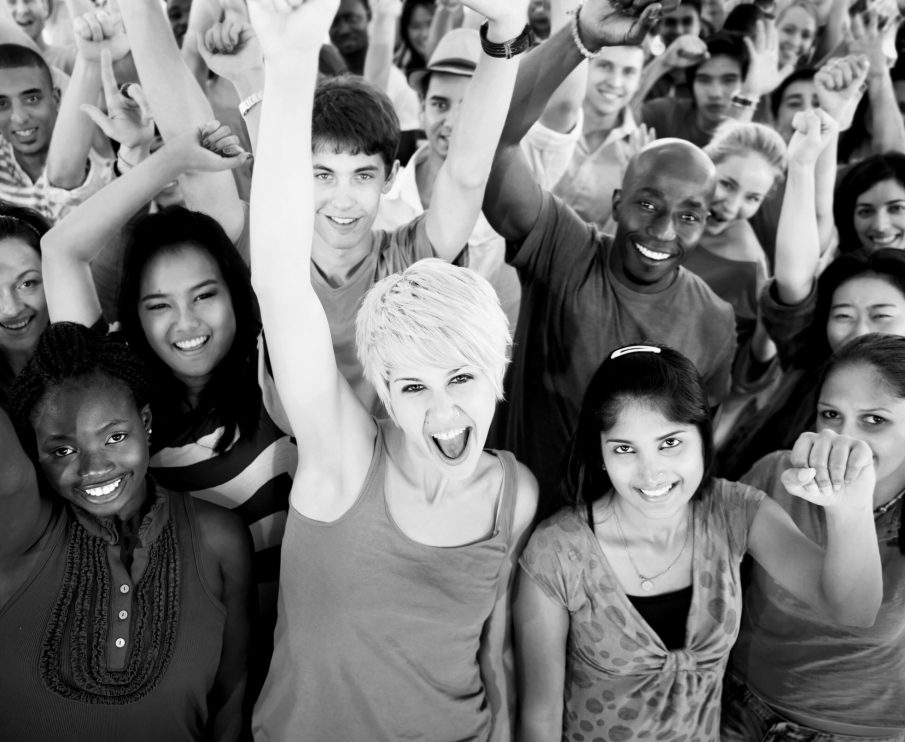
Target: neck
x,y
356,61
637,527
597,126
335,265
32,164
703,124
415,469
17,359
194,386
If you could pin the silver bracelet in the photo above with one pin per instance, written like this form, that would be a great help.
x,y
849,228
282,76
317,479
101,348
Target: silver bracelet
x,y
585,52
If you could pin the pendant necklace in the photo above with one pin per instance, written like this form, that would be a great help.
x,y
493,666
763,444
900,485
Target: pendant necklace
x,y
647,582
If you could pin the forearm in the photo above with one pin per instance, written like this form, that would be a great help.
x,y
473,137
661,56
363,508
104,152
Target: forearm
x,y
797,237
74,130
851,580
448,15
251,82
825,183
176,99
379,58
202,15
650,76
889,130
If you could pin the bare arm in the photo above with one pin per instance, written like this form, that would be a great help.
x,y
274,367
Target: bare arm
x,y
561,113
332,428
844,580
449,14
686,51
23,513
178,103
797,235
459,187
495,654
541,631
68,248
382,42
512,199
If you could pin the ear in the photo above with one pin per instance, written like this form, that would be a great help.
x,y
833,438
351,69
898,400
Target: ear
x,y
617,200
56,96
391,178
145,414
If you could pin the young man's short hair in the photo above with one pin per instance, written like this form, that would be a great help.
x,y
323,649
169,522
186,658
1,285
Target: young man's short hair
x,y
13,56
351,115
799,75
722,45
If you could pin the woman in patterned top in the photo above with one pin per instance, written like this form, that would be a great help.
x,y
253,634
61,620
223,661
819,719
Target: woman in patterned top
x,y
629,597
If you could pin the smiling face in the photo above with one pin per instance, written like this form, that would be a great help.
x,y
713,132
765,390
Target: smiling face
x,y
444,414
797,32
683,20
856,400
349,31
742,183
23,308
867,303
347,191
419,29
28,109
714,83
655,464
879,216
660,213
613,78
186,312
29,15
93,445
440,109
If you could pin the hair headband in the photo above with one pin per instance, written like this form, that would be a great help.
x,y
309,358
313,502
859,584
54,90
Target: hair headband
x,y
634,349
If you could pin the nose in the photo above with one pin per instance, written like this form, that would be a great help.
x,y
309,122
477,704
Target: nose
x,y
10,303
862,327
442,406
881,220
187,318
662,228
649,472
732,203
341,197
94,463
18,115
452,116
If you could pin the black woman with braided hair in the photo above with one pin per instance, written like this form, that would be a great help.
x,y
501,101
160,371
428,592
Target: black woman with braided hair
x,y
124,607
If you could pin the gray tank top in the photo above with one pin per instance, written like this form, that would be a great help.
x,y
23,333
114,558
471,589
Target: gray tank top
x,y
377,635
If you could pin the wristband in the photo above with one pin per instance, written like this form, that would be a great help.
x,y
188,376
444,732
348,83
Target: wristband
x,y
250,102
508,49
742,101
576,37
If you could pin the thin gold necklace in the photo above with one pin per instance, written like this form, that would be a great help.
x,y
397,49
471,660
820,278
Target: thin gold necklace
x,y
647,582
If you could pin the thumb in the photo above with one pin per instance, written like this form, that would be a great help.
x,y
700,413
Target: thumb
x,y
98,117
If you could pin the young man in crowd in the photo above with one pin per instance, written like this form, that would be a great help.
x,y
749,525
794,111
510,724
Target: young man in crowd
x,y
584,293
683,20
30,15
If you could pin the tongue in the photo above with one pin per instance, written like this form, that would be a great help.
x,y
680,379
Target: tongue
x,y
452,448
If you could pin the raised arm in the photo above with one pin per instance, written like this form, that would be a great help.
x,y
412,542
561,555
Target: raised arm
x,y
334,432
68,249
178,103
513,197
382,41
685,51
448,15
459,189
95,32
797,235
561,112
843,580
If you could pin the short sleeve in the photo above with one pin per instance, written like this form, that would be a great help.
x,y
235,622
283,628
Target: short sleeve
x,y
552,559
61,201
790,326
735,504
765,473
404,246
559,239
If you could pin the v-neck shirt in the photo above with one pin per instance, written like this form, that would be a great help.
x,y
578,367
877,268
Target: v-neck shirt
x,y
621,680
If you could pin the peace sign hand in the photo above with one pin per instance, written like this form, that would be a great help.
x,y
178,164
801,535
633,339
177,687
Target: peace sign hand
x,y
833,471
128,118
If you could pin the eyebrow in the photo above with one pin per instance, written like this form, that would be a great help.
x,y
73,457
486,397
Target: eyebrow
x,y
867,409
102,428
208,282
454,372
661,438
869,306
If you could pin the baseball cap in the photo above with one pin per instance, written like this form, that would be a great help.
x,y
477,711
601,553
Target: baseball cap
x,y
457,54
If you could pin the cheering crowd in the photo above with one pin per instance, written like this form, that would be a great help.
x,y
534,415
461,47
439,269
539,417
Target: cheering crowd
x,y
452,370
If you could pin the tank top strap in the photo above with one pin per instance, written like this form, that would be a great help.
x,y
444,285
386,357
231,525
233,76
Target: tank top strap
x,y
508,494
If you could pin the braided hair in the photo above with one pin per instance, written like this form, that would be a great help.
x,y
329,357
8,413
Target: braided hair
x,y
66,352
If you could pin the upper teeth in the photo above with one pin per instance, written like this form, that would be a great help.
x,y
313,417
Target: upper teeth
x,y
340,220
26,132
658,492
17,325
651,253
191,344
449,434
103,490
885,240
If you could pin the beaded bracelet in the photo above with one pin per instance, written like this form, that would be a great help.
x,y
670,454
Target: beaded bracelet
x,y
585,52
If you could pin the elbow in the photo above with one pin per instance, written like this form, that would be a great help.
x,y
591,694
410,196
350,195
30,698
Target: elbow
x,y
862,615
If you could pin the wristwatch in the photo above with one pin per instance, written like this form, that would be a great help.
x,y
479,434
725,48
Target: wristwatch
x,y
508,49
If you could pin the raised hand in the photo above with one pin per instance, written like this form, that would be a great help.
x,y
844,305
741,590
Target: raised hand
x,y
615,23
231,49
840,86
685,51
812,132
128,118
866,36
288,28
639,138
831,470
506,17
210,148
99,30
764,71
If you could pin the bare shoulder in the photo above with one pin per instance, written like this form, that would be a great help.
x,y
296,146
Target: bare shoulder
x,y
745,244
525,503
224,538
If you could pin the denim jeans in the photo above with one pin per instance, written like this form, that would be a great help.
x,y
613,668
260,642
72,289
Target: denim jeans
x,y
746,718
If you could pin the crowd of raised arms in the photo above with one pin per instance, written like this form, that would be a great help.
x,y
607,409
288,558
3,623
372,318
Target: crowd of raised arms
x,y
452,370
